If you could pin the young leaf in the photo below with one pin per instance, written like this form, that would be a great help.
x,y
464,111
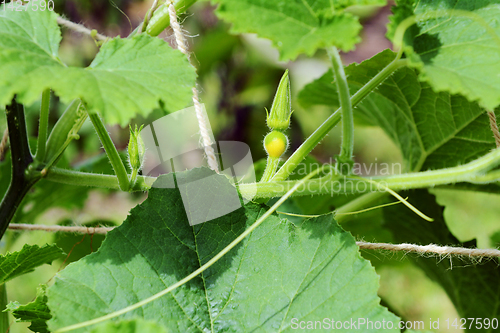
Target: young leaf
x,y
26,260
433,130
454,52
128,76
296,26
473,288
309,272
35,312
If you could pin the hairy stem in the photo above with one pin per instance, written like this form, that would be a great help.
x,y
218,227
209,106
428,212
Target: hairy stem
x,y
161,19
271,166
312,141
109,147
43,125
472,172
21,180
347,145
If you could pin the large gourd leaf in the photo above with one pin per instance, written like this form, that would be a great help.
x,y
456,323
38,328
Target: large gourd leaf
x,y
279,272
296,26
433,130
128,76
456,53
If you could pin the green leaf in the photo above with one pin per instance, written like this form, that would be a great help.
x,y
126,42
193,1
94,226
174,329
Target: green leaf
x,y
36,312
433,130
296,26
281,271
472,287
128,77
130,326
455,53
26,260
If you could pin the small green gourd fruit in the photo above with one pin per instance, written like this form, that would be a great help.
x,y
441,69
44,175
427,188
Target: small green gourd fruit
x,y
275,144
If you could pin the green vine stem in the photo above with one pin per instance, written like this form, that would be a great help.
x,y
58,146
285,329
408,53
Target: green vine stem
x,y
78,178
310,143
473,172
200,270
22,180
161,19
43,125
109,147
347,145
4,316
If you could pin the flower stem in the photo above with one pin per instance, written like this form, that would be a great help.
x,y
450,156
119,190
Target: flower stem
x,y
271,166
310,143
109,147
43,125
347,145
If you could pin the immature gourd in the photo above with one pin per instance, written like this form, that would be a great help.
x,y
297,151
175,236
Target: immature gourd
x,y
275,144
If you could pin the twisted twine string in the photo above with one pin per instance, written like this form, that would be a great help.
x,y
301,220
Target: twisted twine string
x,y
58,228
78,28
3,143
182,46
420,249
494,127
431,249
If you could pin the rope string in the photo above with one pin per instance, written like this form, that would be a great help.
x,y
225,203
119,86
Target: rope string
x,y
420,249
431,249
494,127
3,143
182,46
58,228
78,28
